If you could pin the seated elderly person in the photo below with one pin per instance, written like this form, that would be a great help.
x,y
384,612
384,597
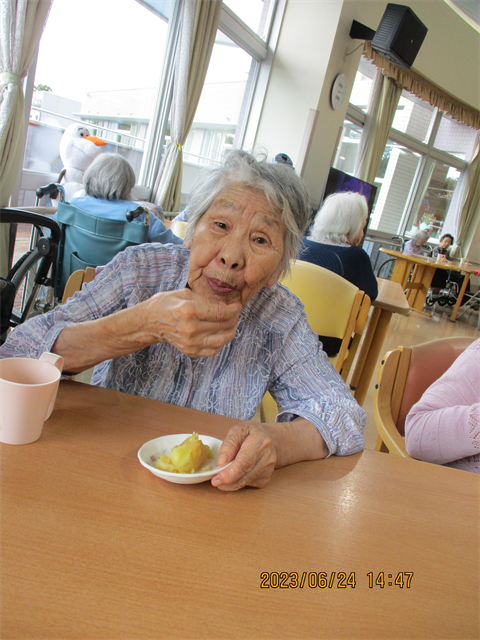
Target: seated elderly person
x,y
334,238
414,246
444,426
208,326
440,276
333,244
108,184
445,246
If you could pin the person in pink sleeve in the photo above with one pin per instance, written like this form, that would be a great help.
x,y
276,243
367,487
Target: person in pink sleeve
x,y
444,426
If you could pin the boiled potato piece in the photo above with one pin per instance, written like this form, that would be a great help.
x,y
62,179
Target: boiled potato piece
x,y
187,457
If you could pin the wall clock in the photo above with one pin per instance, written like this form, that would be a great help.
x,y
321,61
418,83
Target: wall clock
x,y
339,91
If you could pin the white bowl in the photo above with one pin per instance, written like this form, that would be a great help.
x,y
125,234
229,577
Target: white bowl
x,y
150,452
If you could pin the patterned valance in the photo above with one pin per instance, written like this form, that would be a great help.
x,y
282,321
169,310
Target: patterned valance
x,y
415,83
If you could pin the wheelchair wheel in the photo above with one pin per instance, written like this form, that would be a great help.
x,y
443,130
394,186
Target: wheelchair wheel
x,y
442,302
22,275
429,301
380,270
451,301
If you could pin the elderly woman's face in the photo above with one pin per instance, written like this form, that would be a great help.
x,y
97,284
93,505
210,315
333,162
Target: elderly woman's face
x,y
237,247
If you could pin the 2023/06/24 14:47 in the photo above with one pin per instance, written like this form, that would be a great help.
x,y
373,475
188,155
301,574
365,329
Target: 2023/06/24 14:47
x,y
332,580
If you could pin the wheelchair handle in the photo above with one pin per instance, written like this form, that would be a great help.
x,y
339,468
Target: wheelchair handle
x,y
28,217
51,188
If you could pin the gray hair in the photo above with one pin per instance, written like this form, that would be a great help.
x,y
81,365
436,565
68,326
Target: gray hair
x,y
420,237
109,177
284,190
340,217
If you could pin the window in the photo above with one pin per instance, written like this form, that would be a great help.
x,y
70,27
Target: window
x,y
363,84
222,107
118,76
74,85
231,85
394,179
455,138
346,156
422,165
256,14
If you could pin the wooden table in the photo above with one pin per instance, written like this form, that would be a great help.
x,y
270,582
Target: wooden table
x,y
390,299
95,546
421,279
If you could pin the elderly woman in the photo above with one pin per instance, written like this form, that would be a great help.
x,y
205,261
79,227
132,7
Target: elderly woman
x,y
108,184
414,246
333,244
208,326
334,238
440,276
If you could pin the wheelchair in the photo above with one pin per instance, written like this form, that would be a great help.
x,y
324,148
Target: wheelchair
x,y
78,240
31,273
448,295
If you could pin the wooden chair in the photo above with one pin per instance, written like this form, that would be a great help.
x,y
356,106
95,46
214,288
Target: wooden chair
x,y
76,281
334,307
179,228
405,374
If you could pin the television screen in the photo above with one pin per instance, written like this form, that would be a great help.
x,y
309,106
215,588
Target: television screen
x,y
339,181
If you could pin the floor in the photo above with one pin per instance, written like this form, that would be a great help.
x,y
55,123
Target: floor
x,y
415,329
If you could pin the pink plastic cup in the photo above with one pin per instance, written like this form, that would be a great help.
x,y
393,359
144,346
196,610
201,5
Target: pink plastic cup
x,y
28,390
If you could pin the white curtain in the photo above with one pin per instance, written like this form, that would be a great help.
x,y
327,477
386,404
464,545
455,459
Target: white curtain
x,y
21,25
199,26
380,113
470,198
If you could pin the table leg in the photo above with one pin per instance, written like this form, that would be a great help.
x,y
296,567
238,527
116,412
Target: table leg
x,y
424,277
412,292
456,308
364,347
379,332
401,271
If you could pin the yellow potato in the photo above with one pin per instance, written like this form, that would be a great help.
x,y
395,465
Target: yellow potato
x,y
187,457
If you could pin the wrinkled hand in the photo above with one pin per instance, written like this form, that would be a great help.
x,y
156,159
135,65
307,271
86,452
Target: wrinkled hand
x,y
251,447
196,326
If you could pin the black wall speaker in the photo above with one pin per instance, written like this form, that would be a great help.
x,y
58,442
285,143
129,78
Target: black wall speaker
x,y
399,35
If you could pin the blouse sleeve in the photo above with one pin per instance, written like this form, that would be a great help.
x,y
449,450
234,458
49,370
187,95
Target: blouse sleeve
x,y
158,232
444,425
305,384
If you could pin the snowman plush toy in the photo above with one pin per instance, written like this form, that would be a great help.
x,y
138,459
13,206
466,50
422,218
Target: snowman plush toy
x,y
78,149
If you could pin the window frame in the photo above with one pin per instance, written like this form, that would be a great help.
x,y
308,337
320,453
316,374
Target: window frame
x,y
426,150
233,27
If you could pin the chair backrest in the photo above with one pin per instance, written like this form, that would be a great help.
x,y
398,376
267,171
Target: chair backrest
x,y
179,228
404,375
332,304
91,241
328,298
76,281
334,308
428,362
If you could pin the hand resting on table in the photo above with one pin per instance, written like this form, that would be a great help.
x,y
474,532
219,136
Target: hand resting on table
x,y
258,449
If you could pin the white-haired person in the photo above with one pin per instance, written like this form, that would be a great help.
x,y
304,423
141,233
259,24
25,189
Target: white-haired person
x,y
334,238
415,246
108,184
207,325
333,244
